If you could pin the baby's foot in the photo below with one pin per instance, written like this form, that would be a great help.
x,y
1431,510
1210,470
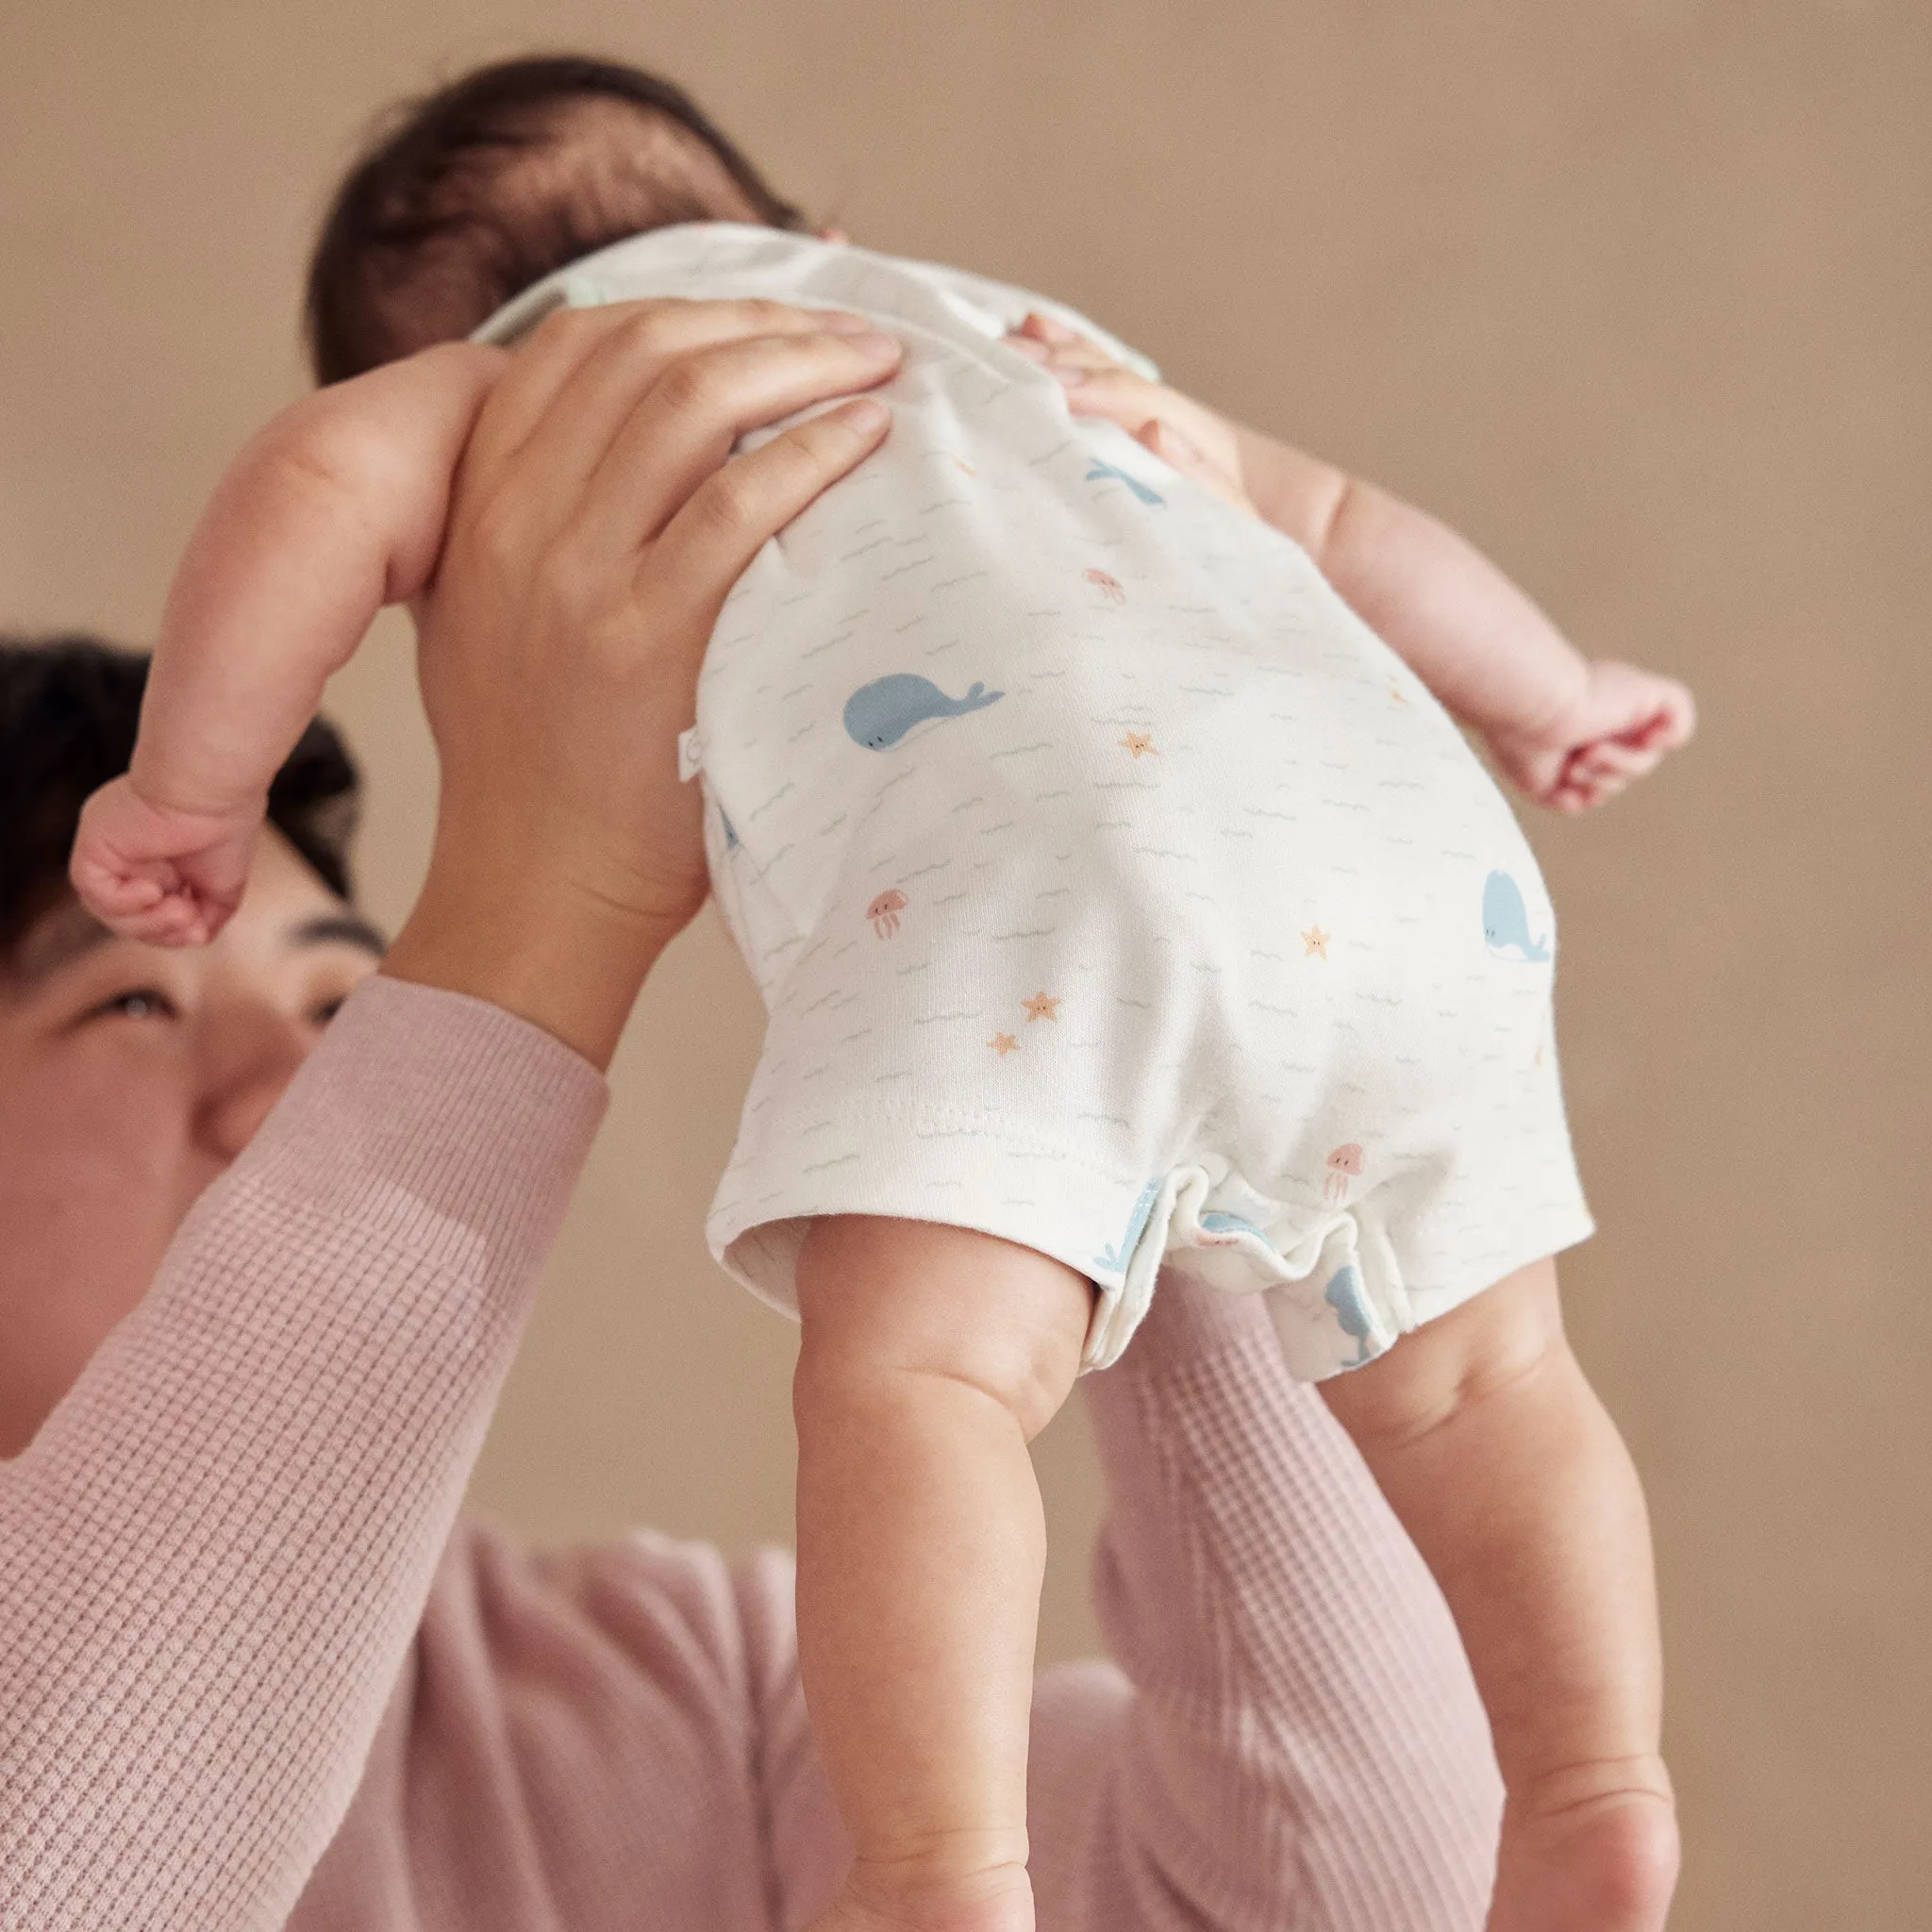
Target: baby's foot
x,y
1606,1863
877,1898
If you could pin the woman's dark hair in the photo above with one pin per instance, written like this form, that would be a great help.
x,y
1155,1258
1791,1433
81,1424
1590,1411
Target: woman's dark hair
x,y
69,709
426,237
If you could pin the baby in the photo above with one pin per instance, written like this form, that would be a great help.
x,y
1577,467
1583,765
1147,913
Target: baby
x,y
1119,900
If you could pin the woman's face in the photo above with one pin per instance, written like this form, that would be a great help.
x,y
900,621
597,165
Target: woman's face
x,y
129,1079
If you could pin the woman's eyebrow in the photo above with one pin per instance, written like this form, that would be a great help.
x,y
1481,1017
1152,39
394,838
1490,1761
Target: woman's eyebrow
x,y
341,929
55,942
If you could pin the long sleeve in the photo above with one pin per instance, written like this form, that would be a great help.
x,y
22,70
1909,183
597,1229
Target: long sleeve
x,y
1297,1742
615,1738
216,1551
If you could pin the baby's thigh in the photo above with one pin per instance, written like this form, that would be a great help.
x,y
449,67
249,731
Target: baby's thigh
x,y
885,1294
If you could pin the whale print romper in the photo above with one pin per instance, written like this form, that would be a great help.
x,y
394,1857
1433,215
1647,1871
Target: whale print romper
x,y
1110,886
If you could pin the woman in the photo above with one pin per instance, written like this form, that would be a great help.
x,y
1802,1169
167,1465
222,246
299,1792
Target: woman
x,y
254,1671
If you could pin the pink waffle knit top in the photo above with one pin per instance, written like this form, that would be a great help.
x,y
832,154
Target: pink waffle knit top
x,y
255,1670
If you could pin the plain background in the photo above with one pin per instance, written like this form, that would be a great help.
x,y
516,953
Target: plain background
x,y
1637,295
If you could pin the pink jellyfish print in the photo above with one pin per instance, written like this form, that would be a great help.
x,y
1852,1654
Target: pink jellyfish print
x,y
884,912
1108,586
1344,1165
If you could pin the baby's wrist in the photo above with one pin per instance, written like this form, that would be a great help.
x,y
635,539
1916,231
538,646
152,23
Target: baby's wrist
x,y
204,811
1545,717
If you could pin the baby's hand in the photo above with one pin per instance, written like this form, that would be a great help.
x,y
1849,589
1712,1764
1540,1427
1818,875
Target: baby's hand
x,y
153,872
1618,729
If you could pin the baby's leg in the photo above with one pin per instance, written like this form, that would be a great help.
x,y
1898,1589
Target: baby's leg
x,y
930,1358
1512,1480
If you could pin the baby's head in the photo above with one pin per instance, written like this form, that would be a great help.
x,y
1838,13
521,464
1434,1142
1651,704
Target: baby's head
x,y
492,183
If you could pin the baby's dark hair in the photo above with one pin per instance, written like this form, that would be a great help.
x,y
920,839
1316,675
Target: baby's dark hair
x,y
473,193
69,709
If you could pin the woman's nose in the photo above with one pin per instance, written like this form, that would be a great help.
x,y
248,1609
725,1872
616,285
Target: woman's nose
x,y
251,1059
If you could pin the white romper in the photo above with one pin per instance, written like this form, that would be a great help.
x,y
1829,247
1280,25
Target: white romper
x,y
1111,887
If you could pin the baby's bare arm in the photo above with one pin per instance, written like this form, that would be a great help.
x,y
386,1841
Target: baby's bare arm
x,y
1512,1480
333,510
1570,731
1469,633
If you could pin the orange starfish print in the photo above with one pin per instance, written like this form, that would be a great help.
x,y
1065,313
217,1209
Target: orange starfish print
x,y
1107,584
1139,742
1004,1044
1316,942
1041,1006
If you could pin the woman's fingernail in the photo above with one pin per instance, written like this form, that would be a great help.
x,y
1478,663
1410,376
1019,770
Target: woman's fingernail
x,y
866,415
842,322
1070,377
876,348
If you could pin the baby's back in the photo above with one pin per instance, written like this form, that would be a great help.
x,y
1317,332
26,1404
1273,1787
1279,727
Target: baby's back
x,y
1073,827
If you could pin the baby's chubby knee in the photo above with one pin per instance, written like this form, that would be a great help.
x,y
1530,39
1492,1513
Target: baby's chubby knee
x,y
1500,1340
884,1301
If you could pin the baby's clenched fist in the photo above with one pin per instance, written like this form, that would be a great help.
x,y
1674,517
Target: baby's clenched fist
x,y
1619,728
157,874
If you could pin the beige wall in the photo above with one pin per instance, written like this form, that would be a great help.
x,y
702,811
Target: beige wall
x,y
1637,295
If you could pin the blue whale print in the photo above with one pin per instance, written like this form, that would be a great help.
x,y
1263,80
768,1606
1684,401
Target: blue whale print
x,y
1505,920
1113,1260
880,713
1346,1296
1217,1223
1105,471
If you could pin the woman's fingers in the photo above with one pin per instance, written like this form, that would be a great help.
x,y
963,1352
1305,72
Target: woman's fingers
x,y
1181,453
684,426
1077,355
662,345
581,370
708,543
1184,434
1045,328
1118,395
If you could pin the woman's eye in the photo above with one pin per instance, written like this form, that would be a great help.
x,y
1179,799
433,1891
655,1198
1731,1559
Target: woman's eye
x,y
328,1009
140,1002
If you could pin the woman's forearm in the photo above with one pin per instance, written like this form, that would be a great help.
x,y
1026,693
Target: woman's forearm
x,y
213,1556
524,938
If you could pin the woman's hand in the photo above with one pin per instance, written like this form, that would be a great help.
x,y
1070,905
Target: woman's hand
x,y
595,530
1184,434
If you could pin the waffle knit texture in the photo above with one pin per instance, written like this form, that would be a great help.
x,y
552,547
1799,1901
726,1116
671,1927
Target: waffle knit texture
x,y
255,1672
